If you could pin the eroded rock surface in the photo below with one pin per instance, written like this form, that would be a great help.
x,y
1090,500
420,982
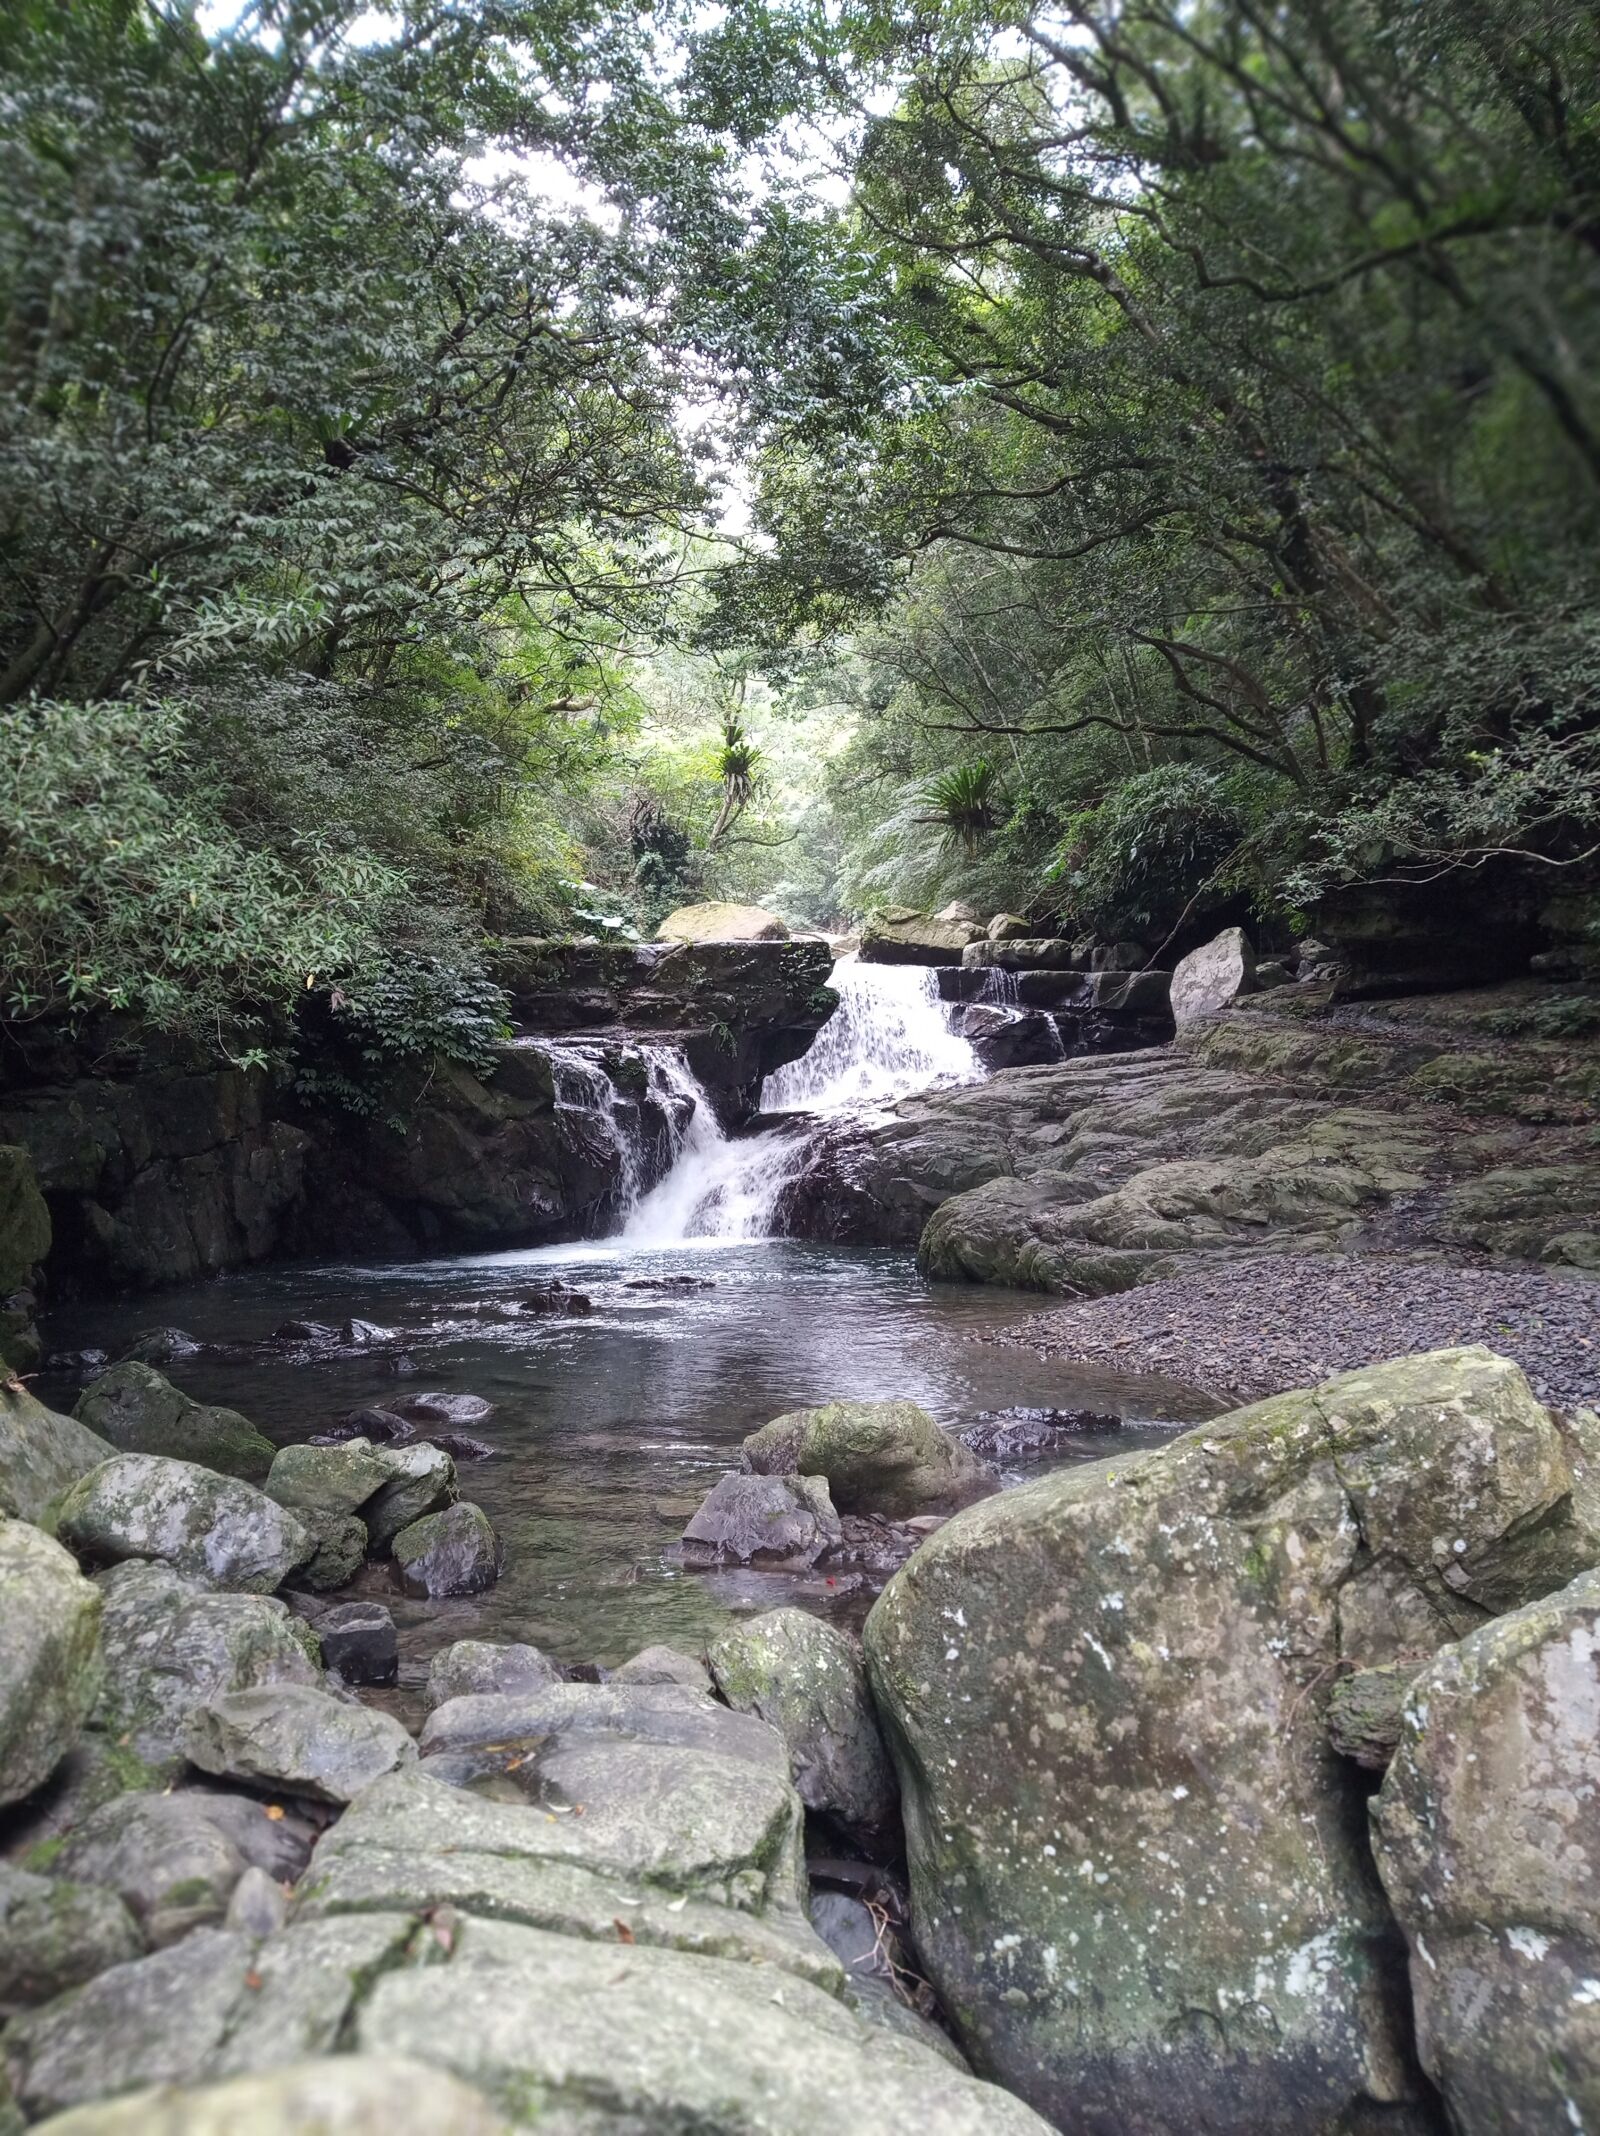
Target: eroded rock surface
x,y
1139,1880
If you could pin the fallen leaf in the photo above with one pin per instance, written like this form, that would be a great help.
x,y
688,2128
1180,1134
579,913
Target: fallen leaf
x,y
624,1932
274,1810
252,1980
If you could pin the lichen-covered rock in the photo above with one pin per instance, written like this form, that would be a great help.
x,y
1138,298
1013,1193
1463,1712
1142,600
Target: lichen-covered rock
x,y
330,1479
423,1481
216,1529
303,1741
49,1656
1211,977
807,1679
55,1936
1488,1843
166,1859
781,1521
1364,1712
1135,1879
481,1665
42,1454
139,1412
453,1552
663,1665
901,936
877,1457
334,2095
722,923
339,1552
585,2036
171,1645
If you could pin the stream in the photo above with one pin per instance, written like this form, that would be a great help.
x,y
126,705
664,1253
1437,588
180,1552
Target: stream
x,y
607,1430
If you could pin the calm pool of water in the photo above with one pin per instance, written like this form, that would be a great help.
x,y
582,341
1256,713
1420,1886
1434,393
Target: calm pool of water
x,y
608,1430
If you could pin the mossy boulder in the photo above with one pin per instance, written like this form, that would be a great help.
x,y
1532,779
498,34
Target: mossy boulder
x,y
452,1552
723,922
1138,1881
42,1454
55,1935
215,1529
50,1665
140,1412
898,935
330,1479
878,1457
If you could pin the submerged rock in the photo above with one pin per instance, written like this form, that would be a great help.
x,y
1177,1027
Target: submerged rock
x,y
42,1454
453,1552
139,1412
808,1680
472,1666
303,1741
1106,1695
208,1527
448,1408
50,1667
1488,1844
878,1457
782,1521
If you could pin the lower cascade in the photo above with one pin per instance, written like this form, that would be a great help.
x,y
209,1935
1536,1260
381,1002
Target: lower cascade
x,y
889,1036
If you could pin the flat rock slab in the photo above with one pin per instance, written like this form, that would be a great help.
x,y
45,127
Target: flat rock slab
x,y
655,2039
303,1741
335,2095
674,1714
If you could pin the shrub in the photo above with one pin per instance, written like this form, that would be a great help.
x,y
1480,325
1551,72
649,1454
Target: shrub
x,y
1154,845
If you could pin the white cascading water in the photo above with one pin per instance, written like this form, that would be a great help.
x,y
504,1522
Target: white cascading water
x,y
889,1036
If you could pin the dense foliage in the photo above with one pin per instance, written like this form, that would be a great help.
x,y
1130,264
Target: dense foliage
x,y
1169,436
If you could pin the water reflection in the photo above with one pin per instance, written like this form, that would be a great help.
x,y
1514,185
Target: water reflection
x,y
609,1429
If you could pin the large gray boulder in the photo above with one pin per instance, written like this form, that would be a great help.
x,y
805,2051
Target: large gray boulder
x,y
807,1679
722,922
42,1454
1488,1842
49,1656
56,1935
172,1645
1136,1881
452,1552
303,1741
1208,979
478,1665
333,2095
211,1528
878,1457
140,1412
330,1479
898,935
781,1521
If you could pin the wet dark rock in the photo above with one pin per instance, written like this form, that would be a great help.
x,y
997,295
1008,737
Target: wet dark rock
x,y
160,1346
780,1521
404,1366
671,1283
1010,1038
1366,1709
298,1331
367,1334
447,1408
452,1552
77,1361
386,1426
359,1640
460,1446
557,1300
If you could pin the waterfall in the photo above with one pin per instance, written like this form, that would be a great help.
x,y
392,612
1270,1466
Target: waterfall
x,y
889,1036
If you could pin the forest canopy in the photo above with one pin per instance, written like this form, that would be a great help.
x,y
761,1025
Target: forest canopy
x,y
485,469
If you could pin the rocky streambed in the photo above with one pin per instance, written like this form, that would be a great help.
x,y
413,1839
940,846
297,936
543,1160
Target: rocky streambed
x,y
1240,1782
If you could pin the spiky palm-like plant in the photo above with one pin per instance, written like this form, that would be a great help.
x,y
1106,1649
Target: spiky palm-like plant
x,y
965,803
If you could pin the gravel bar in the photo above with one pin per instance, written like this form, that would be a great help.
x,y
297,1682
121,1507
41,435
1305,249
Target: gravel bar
x,y
1243,1329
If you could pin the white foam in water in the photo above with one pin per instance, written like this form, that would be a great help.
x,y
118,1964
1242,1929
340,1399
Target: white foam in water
x,y
889,1036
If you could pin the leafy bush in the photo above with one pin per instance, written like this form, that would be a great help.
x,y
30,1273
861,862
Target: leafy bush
x,y
125,888
1155,844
